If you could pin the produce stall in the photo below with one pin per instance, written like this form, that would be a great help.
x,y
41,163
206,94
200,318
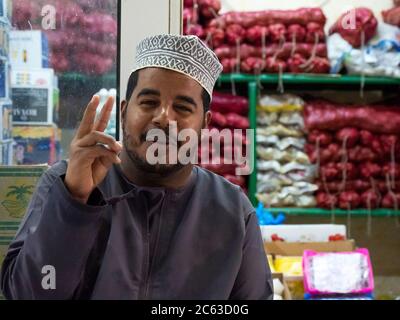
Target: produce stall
x,y
319,85
323,100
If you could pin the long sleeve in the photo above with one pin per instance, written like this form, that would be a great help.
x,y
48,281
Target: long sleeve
x,y
60,232
254,281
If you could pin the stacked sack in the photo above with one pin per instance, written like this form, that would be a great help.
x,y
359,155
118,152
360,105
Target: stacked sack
x,y
228,112
392,16
369,48
85,35
269,41
357,151
284,170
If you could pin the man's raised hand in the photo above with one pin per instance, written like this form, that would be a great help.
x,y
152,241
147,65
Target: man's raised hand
x,y
92,152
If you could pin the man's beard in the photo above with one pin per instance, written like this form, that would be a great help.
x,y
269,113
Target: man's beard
x,y
143,165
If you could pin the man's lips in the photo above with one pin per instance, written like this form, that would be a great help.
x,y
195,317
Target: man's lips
x,y
162,143
169,141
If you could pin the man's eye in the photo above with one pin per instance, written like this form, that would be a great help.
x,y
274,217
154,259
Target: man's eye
x,y
183,108
149,103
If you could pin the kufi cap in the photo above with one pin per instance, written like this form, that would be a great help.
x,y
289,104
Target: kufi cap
x,y
184,54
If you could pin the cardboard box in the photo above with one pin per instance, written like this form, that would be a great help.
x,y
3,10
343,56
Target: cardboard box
x,y
34,96
302,232
37,144
297,248
5,120
279,248
17,184
286,295
290,266
7,233
6,152
5,240
29,50
3,252
16,188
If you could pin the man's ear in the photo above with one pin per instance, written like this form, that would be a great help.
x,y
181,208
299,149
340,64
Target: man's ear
x,y
124,105
207,119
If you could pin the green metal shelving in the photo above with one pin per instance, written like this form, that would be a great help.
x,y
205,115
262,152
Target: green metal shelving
x,y
337,212
327,79
344,82
289,78
252,94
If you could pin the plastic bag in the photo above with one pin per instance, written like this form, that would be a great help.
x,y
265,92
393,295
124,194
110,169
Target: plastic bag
x,y
270,154
279,130
282,102
266,119
337,48
291,142
269,186
289,266
282,179
281,144
269,166
306,201
271,182
302,175
298,189
288,155
267,140
379,61
274,199
279,108
292,118
291,166
305,187
381,55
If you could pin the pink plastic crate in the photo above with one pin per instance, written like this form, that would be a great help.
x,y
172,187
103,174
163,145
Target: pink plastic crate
x,y
312,288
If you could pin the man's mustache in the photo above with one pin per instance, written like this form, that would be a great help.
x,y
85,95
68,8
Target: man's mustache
x,y
174,140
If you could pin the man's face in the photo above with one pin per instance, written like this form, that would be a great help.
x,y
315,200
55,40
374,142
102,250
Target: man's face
x,y
161,96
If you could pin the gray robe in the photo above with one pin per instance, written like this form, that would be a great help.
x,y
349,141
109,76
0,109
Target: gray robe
x,y
201,241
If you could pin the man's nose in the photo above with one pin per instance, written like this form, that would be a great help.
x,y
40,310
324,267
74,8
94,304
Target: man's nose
x,y
163,116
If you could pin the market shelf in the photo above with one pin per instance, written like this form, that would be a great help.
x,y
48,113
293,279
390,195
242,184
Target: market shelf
x,y
305,82
338,212
317,79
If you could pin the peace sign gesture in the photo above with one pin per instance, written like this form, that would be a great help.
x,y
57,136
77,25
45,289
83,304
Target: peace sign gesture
x,y
92,152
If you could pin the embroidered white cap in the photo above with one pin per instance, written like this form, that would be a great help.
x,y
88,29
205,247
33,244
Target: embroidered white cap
x,y
186,54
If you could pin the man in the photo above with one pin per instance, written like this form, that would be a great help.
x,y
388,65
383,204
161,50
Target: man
x,y
110,225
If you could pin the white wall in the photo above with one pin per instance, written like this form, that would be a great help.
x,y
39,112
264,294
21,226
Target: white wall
x,y
332,8
140,19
